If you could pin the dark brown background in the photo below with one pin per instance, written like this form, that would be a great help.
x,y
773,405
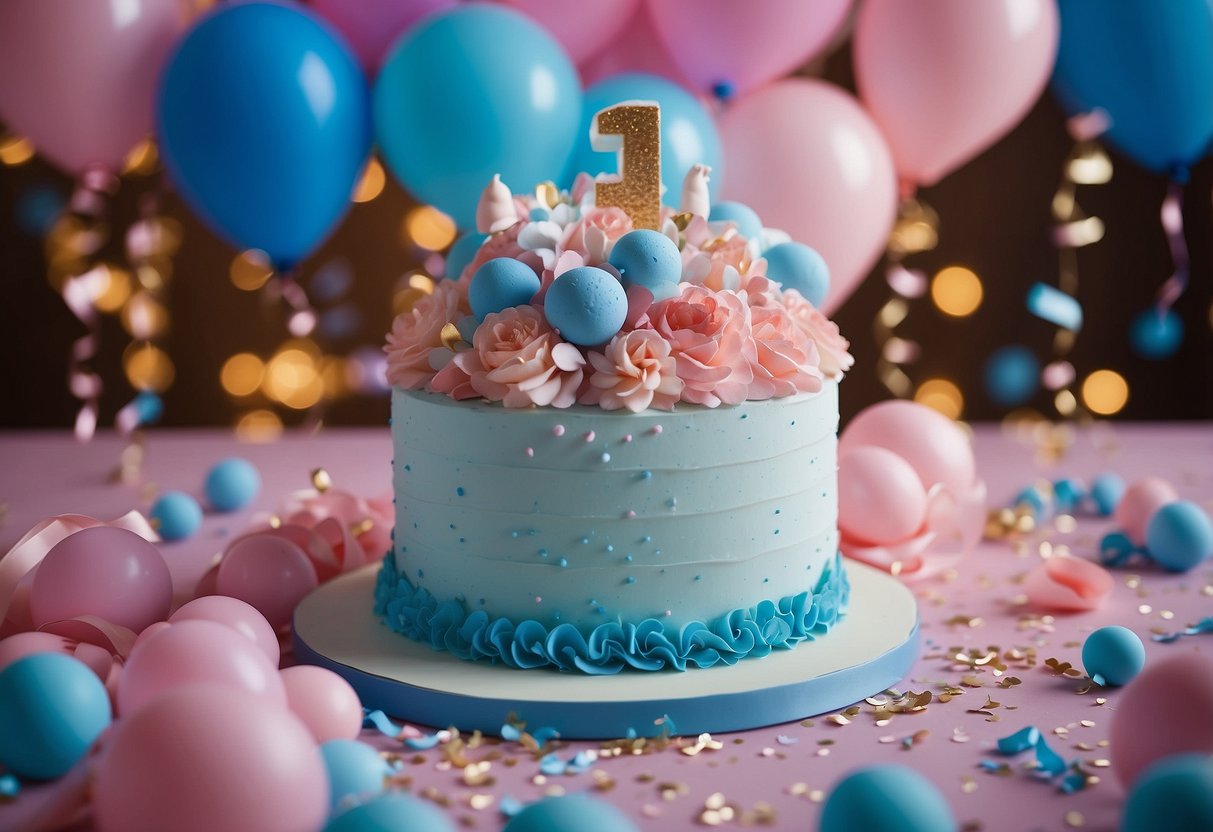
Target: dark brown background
x,y
994,219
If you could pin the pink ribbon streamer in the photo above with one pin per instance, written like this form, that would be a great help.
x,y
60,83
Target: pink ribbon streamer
x,y
1172,218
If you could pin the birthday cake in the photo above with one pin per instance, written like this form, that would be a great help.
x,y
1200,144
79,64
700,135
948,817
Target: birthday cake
x,y
614,447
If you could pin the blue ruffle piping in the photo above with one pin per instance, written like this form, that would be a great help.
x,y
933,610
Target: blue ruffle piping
x,y
610,647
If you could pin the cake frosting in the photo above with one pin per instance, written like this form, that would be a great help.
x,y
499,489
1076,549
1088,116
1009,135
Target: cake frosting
x,y
636,469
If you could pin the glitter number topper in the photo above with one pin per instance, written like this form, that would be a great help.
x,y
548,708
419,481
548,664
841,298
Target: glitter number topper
x,y
633,130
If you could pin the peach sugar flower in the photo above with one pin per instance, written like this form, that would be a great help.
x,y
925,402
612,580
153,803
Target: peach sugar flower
x,y
594,235
418,330
635,371
786,360
709,336
832,347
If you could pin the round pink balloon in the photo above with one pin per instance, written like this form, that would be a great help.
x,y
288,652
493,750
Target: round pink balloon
x,y
806,157
269,572
192,652
1162,712
945,79
205,758
934,446
1139,503
880,498
638,49
236,614
584,27
104,571
744,45
27,644
324,701
370,26
80,78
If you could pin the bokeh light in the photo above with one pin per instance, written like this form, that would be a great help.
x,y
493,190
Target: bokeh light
x,y
144,317
292,377
242,374
1105,392
956,291
429,228
942,395
15,150
371,183
148,367
259,425
142,159
250,270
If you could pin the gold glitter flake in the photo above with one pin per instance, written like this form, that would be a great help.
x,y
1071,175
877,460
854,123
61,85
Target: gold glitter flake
x,y
480,802
1074,819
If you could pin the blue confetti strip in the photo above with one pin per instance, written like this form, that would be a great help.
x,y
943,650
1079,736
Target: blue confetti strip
x,y
1055,306
1048,760
1022,740
510,733
551,765
423,743
380,721
542,735
1049,764
1205,625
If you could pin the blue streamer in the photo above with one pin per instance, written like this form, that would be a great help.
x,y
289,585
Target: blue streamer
x,y
1055,306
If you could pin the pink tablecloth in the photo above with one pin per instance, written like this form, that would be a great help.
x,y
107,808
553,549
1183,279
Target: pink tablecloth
x,y
778,775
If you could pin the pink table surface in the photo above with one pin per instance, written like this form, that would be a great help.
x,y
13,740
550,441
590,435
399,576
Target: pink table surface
x,y
773,776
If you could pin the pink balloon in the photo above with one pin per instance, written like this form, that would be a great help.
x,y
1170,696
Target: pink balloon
x,y
638,49
584,27
744,44
27,644
324,701
1163,711
269,572
945,79
934,446
80,78
1068,584
192,652
880,498
806,157
103,571
205,758
236,614
1140,501
371,26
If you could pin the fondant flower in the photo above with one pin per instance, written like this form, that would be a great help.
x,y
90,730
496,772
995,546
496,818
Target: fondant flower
x,y
709,336
594,235
785,360
504,244
831,346
723,262
517,359
634,371
419,330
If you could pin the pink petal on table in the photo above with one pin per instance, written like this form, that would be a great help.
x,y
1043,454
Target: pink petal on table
x,y
1071,584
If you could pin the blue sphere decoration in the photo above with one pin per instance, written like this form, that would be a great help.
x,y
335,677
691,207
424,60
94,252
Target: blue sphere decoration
x,y
1174,793
177,515
588,305
1012,375
392,812
462,252
1113,656
1179,536
356,771
649,259
1156,336
574,811
500,284
52,708
796,266
748,222
1068,493
232,484
886,798
1106,491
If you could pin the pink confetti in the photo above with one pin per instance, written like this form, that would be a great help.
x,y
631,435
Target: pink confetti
x,y
530,451
558,430
1070,584
655,430
627,438
589,436
630,514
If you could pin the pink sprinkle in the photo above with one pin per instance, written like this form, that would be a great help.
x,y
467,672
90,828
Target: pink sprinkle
x,y
530,451
655,430
629,514
589,436
538,599
627,438
558,430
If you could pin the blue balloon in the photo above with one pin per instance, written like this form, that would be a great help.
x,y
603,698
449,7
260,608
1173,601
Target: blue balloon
x,y
232,484
1106,491
1175,793
1155,335
649,259
688,134
1179,536
1113,656
472,92
796,266
886,798
748,222
462,252
263,119
1068,493
392,812
501,283
355,770
1012,375
587,305
52,708
1148,65
575,811
177,515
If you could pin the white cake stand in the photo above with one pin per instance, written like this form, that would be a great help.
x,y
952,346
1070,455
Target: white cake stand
x,y
871,649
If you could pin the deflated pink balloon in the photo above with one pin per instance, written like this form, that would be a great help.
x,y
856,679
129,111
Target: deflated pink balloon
x,y
1067,584
934,446
583,27
205,758
880,498
269,572
325,702
370,26
806,157
744,45
945,79
1141,500
637,49
79,78
237,615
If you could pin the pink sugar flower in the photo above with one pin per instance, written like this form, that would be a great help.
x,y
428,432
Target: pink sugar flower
x,y
594,235
419,330
709,336
504,244
786,360
832,347
635,371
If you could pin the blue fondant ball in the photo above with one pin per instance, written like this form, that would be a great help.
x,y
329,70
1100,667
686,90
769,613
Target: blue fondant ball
x,y
649,259
355,770
501,283
1106,491
232,484
1156,336
796,266
1012,375
462,252
1113,656
1173,794
1179,536
1068,493
886,798
392,812
574,811
748,222
177,515
52,708
588,305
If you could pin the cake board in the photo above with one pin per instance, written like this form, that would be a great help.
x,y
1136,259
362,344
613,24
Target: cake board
x,y
869,650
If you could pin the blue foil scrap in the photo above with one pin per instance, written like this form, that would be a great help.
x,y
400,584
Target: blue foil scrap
x,y
1205,625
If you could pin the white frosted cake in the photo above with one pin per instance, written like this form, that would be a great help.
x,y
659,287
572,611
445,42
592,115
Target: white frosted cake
x,y
614,448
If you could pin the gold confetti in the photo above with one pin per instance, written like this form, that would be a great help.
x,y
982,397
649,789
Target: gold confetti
x,y
1074,819
1145,609
959,735
964,621
968,785
480,801
817,796
321,480
449,336
547,194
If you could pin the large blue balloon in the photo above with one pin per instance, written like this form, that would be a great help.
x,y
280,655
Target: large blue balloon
x,y
688,134
472,92
1149,65
264,124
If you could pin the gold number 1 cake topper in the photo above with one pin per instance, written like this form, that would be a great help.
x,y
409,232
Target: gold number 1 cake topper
x,y
633,130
